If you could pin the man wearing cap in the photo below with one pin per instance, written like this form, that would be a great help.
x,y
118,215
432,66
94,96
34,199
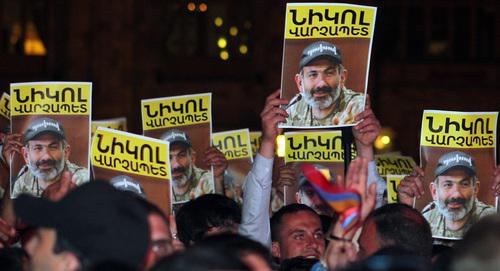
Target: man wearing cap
x,y
109,226
321,83
454,192
306,194
190,181
46,153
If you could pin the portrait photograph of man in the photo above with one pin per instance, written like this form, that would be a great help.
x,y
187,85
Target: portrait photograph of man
x,y
46,154
321,81
188,180
455,205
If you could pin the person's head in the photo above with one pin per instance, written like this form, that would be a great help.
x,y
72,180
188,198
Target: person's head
x,y
296,231
200,258
306,194
160,237
182,157
45,148
455,186
92,223
395,225
480,247
251,252
206,215
321,75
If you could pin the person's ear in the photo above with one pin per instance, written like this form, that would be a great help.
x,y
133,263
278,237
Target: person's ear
x,y
298,82
343,77
70,261
24,151
433,189
67,151
193,155
275,250
476,187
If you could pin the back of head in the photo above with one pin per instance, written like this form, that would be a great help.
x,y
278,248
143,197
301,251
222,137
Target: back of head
x,y
400,225
197,258
241,246
197,217
277,218
480,246
392,258
95,221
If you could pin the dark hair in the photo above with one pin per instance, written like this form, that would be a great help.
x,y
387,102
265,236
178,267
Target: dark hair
x,y
197,216
277,218
392,258
62,244
197,258
236,244
480,246
400,225
12,258
150,207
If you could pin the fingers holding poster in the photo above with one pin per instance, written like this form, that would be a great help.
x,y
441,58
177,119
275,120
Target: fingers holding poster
x,y
236,147
52,121
458,155
135,163
325,44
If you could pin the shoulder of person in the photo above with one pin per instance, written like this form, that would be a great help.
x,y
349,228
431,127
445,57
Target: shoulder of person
x,y
483,209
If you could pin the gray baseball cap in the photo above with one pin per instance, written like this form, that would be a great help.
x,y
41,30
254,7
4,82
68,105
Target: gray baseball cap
x,y
127,183
320,49
176,136
42,126
456,159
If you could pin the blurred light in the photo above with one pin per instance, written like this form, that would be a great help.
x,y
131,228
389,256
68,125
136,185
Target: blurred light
x,y
191,6
233,31
280,149
218,21
33,45
385,140
243,49
222,42
224,55
247,24
203,7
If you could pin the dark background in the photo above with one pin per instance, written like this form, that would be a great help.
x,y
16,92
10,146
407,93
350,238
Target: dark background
x,y
426,55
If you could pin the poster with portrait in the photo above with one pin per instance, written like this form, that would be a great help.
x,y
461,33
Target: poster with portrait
x,y
236,147
133,163
255,140
4,130
458,156
186,122
395,166
5,113
119,124
52,120
326,59
321,148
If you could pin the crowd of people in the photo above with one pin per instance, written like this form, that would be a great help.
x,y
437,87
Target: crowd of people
x,y
60,222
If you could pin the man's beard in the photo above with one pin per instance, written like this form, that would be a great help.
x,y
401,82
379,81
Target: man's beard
x,y
182,180
454,214
57,168
323,102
